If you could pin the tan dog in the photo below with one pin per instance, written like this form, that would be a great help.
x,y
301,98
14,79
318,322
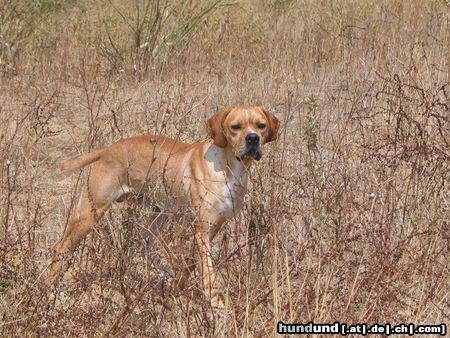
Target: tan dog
x,y
212,175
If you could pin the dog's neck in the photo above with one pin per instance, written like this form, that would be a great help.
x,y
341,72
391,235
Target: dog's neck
x,y
225,160
235,162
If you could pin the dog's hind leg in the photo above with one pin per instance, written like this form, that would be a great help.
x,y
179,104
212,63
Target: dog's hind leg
x,y
102,189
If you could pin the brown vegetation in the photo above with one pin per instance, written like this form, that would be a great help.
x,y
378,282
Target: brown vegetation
x,y
348,213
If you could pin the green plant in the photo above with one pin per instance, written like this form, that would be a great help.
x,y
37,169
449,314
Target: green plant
x,y
157,29
19,22
311,127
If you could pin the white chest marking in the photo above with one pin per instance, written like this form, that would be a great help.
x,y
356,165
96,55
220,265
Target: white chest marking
x,y
234,191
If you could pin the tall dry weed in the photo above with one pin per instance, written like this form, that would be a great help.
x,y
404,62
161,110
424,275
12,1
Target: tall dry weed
x,y
347,215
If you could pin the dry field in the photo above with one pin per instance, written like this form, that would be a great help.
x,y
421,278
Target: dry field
x,y
347,218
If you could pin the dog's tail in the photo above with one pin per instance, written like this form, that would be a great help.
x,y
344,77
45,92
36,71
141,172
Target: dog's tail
x,y
83,160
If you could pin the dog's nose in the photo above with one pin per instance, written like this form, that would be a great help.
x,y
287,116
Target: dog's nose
x,y
252,139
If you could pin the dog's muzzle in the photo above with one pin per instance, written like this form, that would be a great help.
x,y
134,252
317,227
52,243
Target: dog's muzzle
x,y
252,147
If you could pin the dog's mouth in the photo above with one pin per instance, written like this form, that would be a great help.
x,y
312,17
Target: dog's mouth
x,y
254,153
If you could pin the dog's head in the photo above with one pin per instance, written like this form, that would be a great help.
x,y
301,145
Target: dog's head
x,y
244,129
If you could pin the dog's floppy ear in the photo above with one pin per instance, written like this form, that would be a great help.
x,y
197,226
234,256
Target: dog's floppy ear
x,y
273,124
214,127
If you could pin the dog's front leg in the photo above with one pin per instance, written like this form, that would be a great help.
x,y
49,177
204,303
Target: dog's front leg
x,y
208,276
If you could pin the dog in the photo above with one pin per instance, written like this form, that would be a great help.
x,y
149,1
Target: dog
x,y
211,175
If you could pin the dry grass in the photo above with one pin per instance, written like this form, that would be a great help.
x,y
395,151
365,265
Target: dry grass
x,y
348,215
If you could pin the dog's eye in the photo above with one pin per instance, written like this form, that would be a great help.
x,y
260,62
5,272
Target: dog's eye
x,y
261,125
236,126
